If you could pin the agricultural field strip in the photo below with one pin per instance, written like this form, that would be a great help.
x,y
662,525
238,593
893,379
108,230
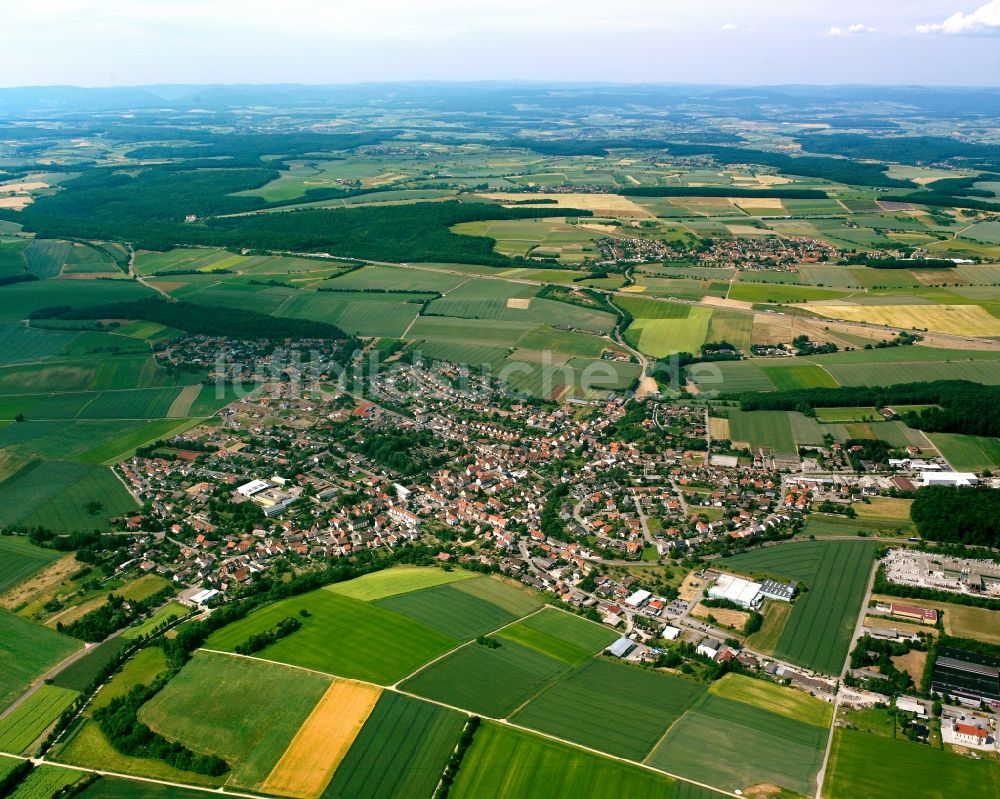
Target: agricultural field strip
x,y
41,761
395,689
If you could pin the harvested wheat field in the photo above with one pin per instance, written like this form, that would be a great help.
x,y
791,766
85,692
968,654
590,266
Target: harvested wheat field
x,y
724,616
600,204
758,202
40,583
961,320
308,763
718,428
521,304
692,584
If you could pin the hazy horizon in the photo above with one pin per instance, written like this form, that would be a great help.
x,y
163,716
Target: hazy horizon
x,y
104,43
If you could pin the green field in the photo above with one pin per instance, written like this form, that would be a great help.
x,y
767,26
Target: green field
x,y
788,702
86,746
968,453
560,635
788,378
31,718
44,781
846,414
612,707
399,580
768,429
505,763
27,651
116,788
392,646
174,610
455,613
660,337
733,745
79,675
141,669
207,708
57,495
878,768
468,678
19,559
400,752
818,633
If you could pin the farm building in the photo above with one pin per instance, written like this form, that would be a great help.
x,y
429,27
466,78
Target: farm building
x,y
902,611
772,589
671,633
743,592
948,479
621,648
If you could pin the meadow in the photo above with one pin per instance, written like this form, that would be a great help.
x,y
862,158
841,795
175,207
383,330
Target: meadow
x,y
141,669
398,580
400,752
876,767
506,763
578,708
206,707
819,630
774,698
392,647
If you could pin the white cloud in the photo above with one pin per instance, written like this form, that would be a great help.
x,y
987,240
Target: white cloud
x,y
730,26
985,19
850,30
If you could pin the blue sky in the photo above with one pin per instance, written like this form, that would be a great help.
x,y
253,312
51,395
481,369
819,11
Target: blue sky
x,y
109,42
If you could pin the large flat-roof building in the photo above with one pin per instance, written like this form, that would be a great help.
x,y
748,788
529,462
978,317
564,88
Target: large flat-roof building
x,y
948,479
744,593
772,589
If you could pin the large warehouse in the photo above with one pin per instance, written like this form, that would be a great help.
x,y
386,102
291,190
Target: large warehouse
x,y
736,589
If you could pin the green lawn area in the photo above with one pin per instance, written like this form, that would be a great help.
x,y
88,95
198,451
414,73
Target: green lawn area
x,y
207,707
618,709
471,678
885,768
733,745
391,647
819,631
27,650
400,752
505,763
775,618
19,559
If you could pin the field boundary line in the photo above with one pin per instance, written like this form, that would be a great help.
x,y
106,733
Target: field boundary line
x,y
42,761
465,712
462,646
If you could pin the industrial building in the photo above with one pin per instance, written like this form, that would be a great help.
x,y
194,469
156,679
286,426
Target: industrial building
x,y
928,478
744,593
772,589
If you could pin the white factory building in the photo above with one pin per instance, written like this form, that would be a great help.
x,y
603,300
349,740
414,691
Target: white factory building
x,y
736,589
948,479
